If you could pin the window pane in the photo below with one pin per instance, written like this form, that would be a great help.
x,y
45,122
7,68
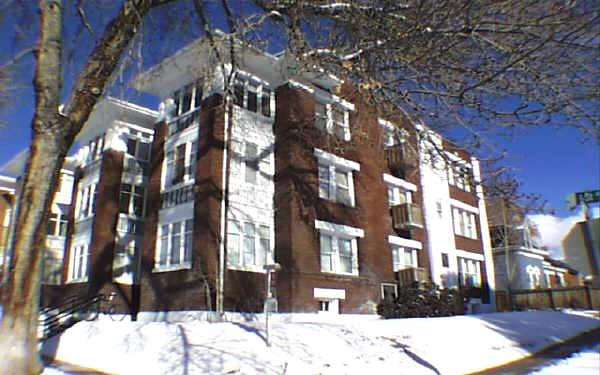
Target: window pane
x,y
233,255
251,163
408,259
238,93
187,100
323,181
397,264
345,249
143,151
131,143
198,94
51,229
175,243
252,97
64,224
266,102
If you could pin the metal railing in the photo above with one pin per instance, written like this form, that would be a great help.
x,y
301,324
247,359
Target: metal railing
x,y
55,319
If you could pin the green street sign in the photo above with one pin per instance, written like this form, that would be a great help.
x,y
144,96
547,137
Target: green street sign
x,y
583,197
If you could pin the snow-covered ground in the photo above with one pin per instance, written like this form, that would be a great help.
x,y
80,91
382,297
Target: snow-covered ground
x,y
310,344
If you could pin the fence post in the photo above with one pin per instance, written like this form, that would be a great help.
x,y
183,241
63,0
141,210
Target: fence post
x,y
551,299
588,295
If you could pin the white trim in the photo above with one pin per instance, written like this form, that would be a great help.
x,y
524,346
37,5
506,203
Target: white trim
x,y
336,160
327,97
529,255
385,124
469,255
339,229
300,85
395,240
399,182
457,159
328,293
464,206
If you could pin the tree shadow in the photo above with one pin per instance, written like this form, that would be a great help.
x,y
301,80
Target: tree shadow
x,y
413,356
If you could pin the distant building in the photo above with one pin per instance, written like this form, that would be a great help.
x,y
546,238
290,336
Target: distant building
x,y
180,210
517,248
581,247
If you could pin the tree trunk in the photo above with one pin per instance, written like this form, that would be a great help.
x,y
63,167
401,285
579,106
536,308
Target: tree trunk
x,y
53,135
20,297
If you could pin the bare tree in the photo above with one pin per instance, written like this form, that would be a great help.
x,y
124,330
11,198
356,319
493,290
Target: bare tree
x,y
475,64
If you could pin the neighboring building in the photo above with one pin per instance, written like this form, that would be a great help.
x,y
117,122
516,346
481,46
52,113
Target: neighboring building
x,y
581,247
517,247
52,261
183,213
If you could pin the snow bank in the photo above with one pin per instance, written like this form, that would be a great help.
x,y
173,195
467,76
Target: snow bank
x,y
351,345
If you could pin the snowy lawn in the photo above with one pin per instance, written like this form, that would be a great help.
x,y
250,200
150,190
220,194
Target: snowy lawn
x,y
344,345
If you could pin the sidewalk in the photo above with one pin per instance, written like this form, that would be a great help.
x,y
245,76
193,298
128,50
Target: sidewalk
x,y
547,356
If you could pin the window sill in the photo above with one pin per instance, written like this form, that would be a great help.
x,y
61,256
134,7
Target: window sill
x,y
77,281
255,269
467,237
178,267
340,273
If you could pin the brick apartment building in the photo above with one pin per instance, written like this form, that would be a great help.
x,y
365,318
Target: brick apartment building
x,y
182,209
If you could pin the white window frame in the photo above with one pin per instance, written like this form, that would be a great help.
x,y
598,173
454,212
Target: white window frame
x,y
383,285
241,162
166,233
469,269
79,263
179,95
237,251
132,194
328,117
459,173
245,79
189,164
400,248
464,223
397,188
534,274
335,164
339,232
391,134
86,195
59,221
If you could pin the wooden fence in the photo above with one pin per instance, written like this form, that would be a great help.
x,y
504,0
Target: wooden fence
x,y
582,297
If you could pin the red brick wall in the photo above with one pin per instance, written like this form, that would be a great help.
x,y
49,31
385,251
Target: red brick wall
x,y
298,205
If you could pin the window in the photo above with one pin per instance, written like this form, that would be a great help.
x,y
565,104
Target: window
x,y
399,190
464,223
335,178
138,156
78,270
95,148
251,164
403,257
332,118
86,201
129,225
252,95
389,291
175,245
445,260
534,276
459,175
178,196
57,225
131,200
181,163
126,262
469,272
338,245
248,245
188,98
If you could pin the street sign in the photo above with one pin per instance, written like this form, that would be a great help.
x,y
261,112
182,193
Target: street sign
x,y
583,197
270,305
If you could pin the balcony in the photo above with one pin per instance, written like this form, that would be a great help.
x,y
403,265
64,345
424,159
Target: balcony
x,y
412,275
401,157
407,216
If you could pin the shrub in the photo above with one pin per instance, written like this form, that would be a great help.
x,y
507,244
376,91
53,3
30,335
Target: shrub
x,y
427,301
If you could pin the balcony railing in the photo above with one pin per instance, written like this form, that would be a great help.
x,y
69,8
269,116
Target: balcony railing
x,y
401,157
183,122
407,216
412,275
